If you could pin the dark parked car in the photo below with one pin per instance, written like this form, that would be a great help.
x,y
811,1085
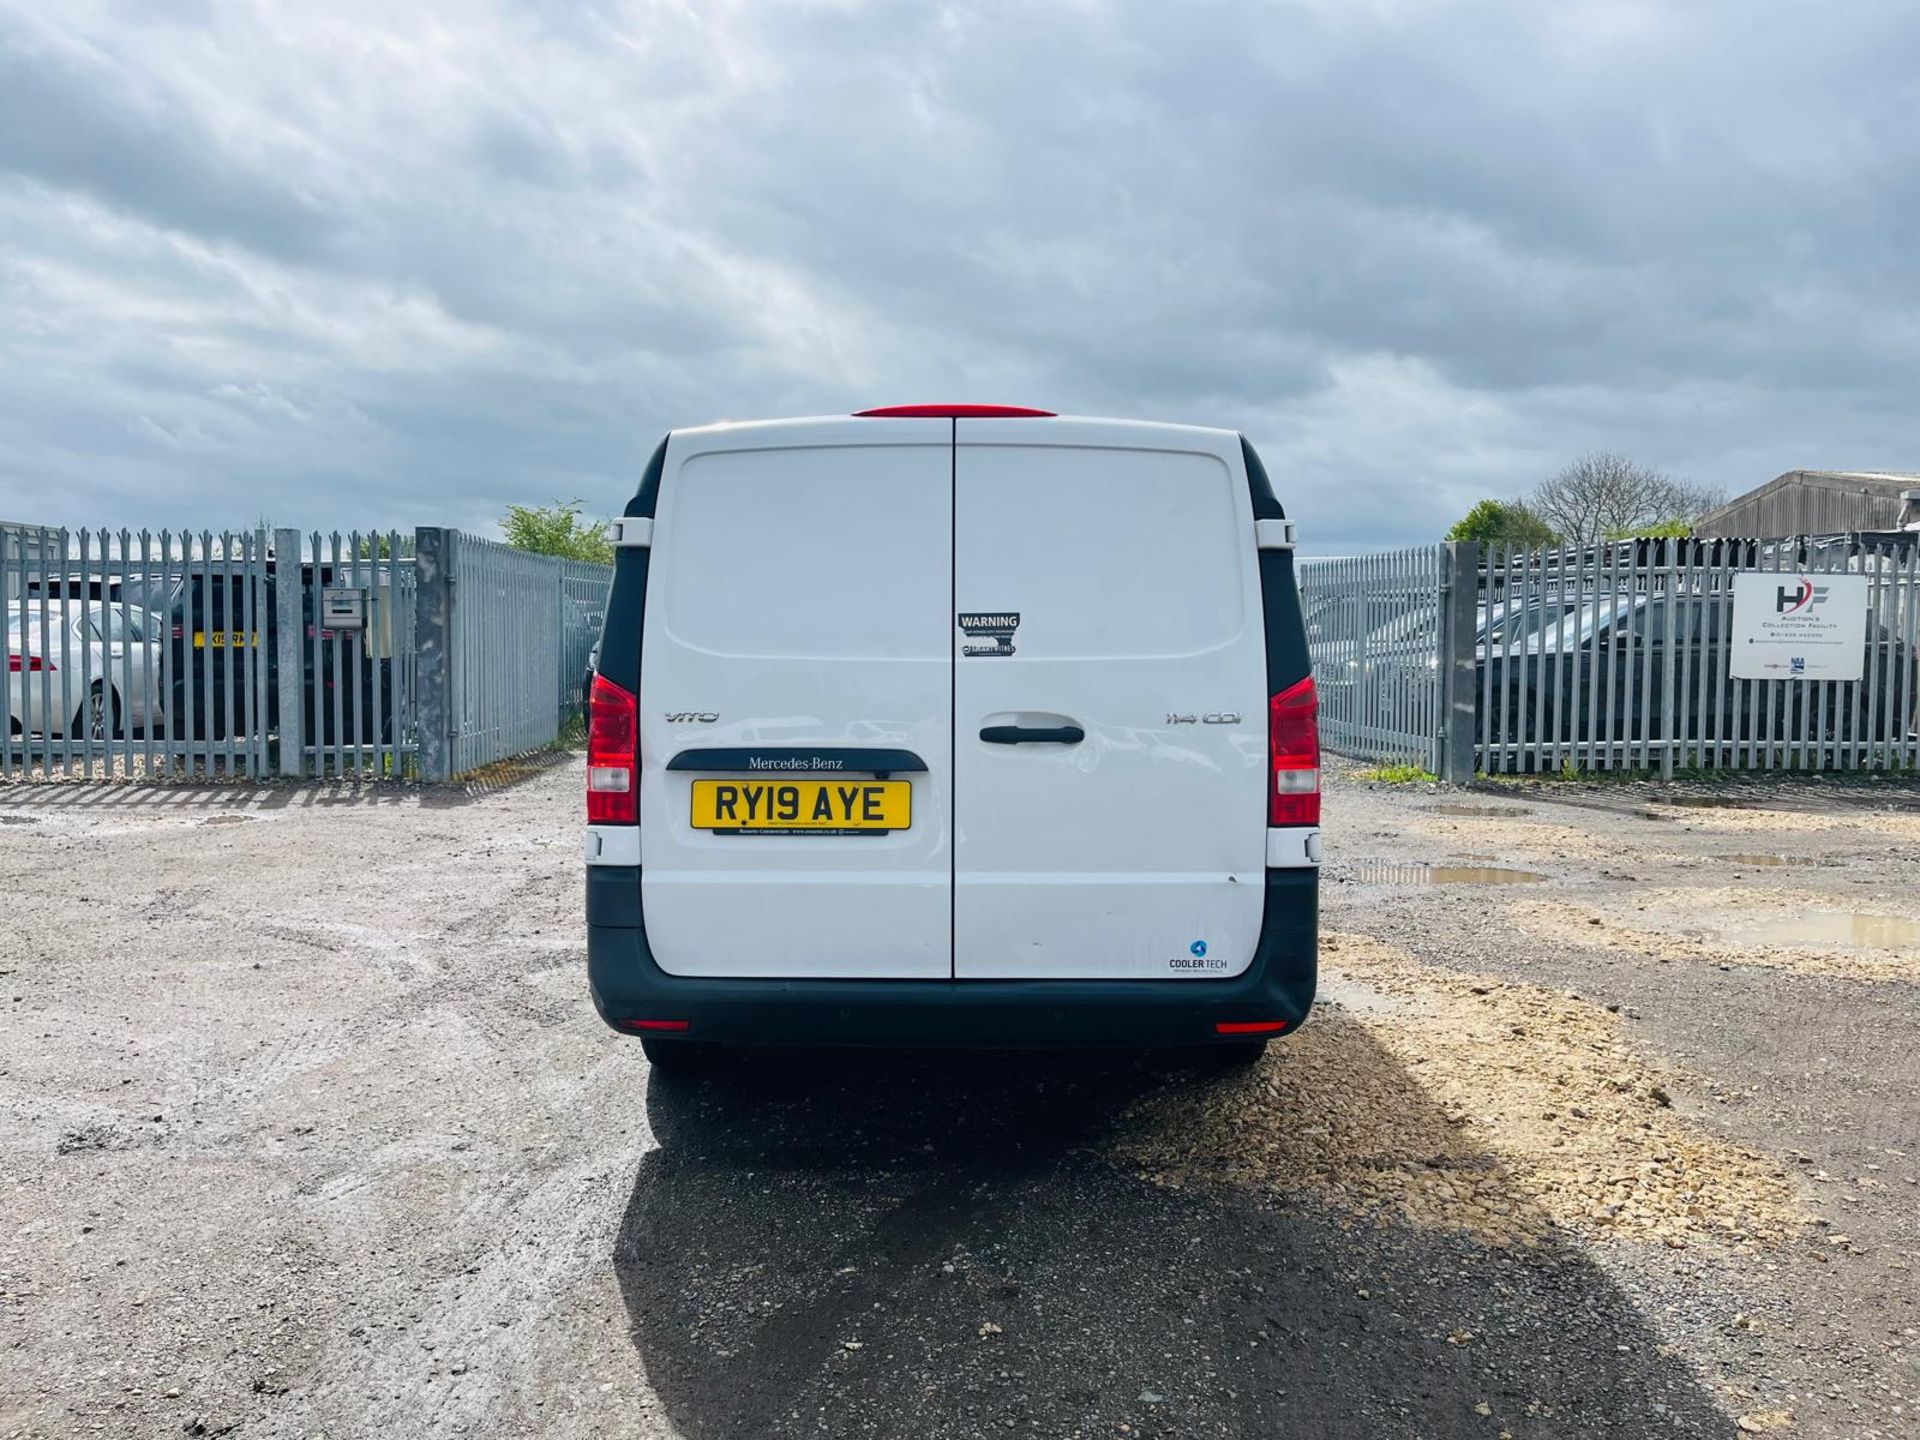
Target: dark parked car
x,y
210,623
1388,685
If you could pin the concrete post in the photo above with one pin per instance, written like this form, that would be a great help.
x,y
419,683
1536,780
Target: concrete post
x,y
290,675
433,549
1459,694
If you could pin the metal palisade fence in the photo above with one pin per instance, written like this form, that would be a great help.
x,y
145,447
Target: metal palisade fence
x,y
503,642
135,654
214,655
583,609
1373,628
1622,656
346,629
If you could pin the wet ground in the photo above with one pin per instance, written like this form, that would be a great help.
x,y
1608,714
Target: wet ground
x,y
308,1129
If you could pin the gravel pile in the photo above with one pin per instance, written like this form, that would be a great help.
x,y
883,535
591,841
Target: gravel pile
x,y
1526,835
1452,1101
1897,826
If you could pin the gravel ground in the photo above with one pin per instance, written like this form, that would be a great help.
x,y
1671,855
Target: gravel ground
x,y
307,1128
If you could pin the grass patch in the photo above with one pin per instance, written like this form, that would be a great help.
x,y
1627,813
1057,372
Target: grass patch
x,y
1399,775
1570,774
1799,768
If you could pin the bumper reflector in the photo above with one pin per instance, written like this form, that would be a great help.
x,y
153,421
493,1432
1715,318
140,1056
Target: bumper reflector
x,y
1248,1027
654,1024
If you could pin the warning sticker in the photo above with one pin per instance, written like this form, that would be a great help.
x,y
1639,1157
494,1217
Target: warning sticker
x,y
993,629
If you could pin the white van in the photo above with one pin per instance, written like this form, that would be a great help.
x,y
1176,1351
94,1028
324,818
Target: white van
x,y
953,725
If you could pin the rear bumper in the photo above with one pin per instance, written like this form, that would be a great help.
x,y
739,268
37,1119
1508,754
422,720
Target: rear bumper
x,y
628,986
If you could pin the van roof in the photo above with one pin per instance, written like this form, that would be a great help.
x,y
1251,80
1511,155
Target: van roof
x,y
1045,427
956,412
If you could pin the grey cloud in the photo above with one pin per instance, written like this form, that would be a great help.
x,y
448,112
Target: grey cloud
x,y
76,125
520,148
413,265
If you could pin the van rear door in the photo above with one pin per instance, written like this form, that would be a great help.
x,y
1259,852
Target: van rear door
x,y
1110,703
795,702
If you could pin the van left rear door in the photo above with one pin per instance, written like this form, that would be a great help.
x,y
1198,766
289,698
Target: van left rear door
x,y
795,702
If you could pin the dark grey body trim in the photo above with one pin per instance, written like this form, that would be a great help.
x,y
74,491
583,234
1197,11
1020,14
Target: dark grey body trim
x,y
628,985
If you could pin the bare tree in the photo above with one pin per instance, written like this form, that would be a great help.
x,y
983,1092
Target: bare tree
x,y
1605,494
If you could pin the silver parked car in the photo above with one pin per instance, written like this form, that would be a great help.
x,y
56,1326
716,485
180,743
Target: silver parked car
x,y
82,668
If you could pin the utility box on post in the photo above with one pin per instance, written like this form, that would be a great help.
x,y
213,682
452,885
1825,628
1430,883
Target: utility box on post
x,y
343,607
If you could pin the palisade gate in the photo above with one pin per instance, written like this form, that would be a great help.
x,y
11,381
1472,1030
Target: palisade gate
x,y
1637,655
195,655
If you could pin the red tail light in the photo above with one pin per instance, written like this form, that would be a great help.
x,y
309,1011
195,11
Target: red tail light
x,y
613,754
1293,748
959,412
32,664
180,632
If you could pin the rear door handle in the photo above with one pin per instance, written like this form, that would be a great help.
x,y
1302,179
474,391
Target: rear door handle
x,y
1032,734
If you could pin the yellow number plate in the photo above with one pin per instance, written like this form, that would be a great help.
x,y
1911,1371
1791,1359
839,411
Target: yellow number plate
x,y
753,806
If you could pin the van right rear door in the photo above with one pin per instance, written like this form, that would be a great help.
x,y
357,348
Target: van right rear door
x,y
1110,683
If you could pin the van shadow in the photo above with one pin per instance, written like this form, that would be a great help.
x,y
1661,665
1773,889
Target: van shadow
x,y
928,1245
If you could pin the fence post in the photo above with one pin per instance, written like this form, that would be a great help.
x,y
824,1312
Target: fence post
x,y
289,687
1459,608
433,640
1669,731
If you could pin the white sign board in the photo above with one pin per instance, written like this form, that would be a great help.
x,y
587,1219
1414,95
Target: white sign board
x,y
1795,625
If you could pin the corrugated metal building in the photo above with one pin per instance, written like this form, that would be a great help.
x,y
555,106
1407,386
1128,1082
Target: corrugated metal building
x,y
1819,502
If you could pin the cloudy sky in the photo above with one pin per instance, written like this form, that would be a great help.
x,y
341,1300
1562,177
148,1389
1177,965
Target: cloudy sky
x,y
377,264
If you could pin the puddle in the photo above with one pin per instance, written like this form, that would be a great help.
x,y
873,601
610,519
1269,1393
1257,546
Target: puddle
x,y
1459,809
1770,859
1704,802
1828,927
1356,996
1386,872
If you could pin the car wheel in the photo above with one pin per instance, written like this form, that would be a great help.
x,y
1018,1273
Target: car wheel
x,y
98,718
